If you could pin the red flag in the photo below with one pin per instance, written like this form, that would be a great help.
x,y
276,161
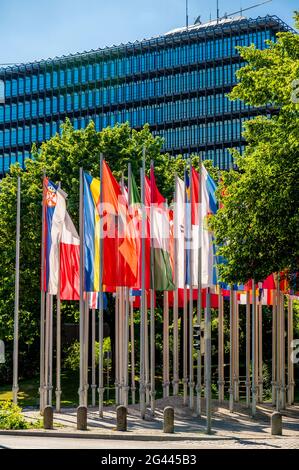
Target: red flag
x,y
120,260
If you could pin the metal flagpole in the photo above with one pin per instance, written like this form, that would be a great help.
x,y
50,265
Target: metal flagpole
x,y
81,323
175,299
42,315
278,365
220,351
208,361
282,332
152,312
46,370
58,342
191,364
260,355
126,347
117,400
274,346
93,358
58,337
50,349
153,349
101,320
256,369
165,345
185,316
289,349
133,388
248,383
15,386
147,358
231,349
236,361
199,286
120,351
143,298
86,335
253,347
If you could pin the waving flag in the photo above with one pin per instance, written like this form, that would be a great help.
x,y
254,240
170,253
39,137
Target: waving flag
x,y
119,247
91,233
69,261
208,207
162,276
179,229
54,208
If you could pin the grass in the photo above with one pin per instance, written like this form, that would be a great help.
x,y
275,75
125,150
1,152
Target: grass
x,y
29,396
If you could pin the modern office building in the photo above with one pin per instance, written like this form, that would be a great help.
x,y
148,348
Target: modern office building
x,y
176,82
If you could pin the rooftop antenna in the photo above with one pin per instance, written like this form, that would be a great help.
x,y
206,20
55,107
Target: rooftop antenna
x,y
217,5
187,15
248,8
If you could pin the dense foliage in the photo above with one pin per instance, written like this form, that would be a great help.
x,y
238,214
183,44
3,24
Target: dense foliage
x,y
257,227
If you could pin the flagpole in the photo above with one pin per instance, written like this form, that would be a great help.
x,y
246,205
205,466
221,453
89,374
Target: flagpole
x,y
274,346
199,287
152,307
231,349
175,299
147,359
260,356
165,345
248,348
220,350
46,370
191,362
208,362
101,321
253,347
93,358
289,348
142,313
126,344
15,386
120,345
117,400
86,342
42,314
185,317
127,314
58,338
81,321
58,341
133,388
236,347
51,350
283,390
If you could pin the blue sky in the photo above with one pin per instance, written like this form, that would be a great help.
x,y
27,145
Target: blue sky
x,y
36,29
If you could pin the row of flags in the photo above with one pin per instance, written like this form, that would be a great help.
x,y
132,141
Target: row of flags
x,y
112,219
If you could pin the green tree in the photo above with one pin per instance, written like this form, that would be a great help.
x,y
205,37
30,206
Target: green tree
x,y
257,228
60,159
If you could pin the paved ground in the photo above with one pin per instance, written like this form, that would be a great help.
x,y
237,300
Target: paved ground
x,y
238,425
29,442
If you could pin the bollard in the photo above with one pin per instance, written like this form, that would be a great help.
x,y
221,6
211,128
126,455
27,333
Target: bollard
x,y
168,422
82,418
121,418
48,417
276,424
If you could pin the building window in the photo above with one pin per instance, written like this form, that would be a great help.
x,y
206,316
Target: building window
x,y
2,92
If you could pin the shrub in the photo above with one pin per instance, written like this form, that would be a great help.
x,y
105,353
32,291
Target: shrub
x,y
11,417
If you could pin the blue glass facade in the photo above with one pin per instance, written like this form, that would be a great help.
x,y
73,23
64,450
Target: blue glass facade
x,y
177,83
